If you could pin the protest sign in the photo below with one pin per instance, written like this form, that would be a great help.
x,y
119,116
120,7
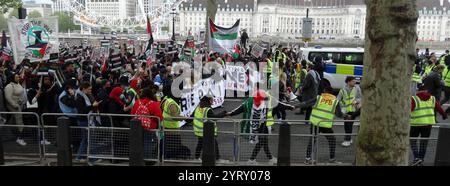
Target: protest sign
x,y
33,38
236,78
257,51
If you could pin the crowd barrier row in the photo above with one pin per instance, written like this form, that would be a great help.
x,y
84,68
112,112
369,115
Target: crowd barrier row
x,y
112,139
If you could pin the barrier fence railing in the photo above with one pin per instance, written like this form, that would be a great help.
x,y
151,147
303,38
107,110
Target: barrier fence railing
x,y
182,145
76,133
113,143
21,137
107,139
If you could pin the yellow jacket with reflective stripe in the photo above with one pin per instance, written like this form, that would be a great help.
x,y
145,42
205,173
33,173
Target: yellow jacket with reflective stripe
x,y
348,98
429,68
281,56
442,60
269,66
416,77
298,78
423,113
446,77
201,116
324,109
167,123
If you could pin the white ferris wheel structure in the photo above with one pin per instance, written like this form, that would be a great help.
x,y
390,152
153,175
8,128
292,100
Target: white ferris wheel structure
x,y
90,19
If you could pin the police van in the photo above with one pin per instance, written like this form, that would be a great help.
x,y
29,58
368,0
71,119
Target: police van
x,y
339,63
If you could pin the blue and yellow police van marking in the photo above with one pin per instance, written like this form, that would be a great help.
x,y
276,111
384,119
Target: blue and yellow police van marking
x,y
351,70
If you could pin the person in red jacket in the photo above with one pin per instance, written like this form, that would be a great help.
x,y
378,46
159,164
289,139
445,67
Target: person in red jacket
x,y
148,105
425,130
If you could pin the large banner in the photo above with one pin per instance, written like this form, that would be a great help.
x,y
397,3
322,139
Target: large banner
x,y
190,101
221,39
236,78
34,38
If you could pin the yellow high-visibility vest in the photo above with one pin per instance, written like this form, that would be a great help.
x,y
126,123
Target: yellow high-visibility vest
x,y
423,113
168,123
200,116
324,110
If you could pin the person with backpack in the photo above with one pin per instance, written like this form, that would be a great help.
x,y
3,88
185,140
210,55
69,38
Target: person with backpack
x,y
146,106
309,90
319,67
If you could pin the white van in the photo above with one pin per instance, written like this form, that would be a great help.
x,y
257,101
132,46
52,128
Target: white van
x,y
339,63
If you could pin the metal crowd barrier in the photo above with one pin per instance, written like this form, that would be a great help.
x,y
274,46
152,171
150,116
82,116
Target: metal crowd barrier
x,y
111,144
180,145
24,125
110,141
49,126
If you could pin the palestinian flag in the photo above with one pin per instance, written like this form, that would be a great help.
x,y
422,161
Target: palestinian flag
x,y
148,50
189,47
221,39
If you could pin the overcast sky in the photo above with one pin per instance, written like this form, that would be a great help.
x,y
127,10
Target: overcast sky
x,y
39,1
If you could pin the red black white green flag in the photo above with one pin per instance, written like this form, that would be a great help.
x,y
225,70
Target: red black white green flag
x,y
222,39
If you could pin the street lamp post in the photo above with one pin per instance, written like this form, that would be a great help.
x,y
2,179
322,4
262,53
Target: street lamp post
x,y
174,13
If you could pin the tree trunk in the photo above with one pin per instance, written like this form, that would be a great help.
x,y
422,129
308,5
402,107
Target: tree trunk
x,y
210,13
383,138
